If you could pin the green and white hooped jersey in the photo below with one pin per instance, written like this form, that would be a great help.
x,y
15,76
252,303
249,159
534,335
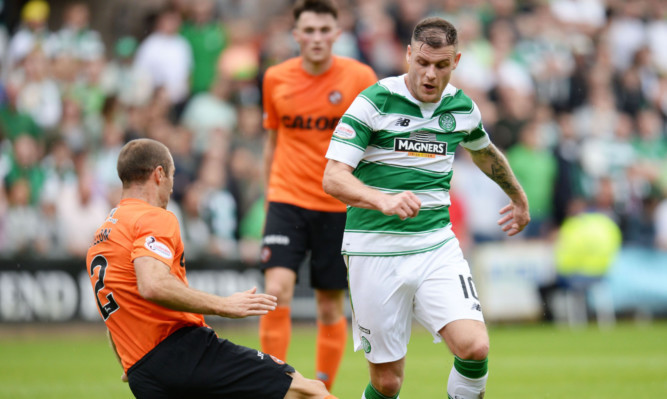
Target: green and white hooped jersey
x,y
397,143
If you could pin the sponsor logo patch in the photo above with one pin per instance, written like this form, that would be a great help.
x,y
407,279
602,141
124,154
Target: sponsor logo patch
x,y
158,248
421,145
405,122
335,97
276,239
344,131
364,330
265,255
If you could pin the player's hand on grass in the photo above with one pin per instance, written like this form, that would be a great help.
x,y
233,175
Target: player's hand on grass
x,y
404,205
515,220
248,303
124,377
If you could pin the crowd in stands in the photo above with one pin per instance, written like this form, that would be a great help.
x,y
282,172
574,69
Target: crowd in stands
x,y
573,91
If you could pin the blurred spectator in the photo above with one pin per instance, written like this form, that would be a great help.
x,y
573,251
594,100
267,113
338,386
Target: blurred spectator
x,y
105,158
32,33
24,165
239,62
39,95
586,246
661,225
71,128
535,168
207,37
218,205
186,161
167,56
210,110
585,16
80,208
246,152
656,32
627,32
482,197
89,94
567,152
21,222
196,232
132,85
14,122
378,42
76,37
346,45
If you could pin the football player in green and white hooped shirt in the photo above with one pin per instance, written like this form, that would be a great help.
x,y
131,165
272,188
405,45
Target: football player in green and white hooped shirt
x,y
390,160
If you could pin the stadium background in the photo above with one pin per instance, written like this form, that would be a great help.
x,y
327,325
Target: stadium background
x,y
575,93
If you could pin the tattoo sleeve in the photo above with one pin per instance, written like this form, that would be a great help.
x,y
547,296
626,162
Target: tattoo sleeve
x,y
494,164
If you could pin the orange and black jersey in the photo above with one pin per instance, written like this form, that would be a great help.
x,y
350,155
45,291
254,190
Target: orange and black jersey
x,y
134,229
304,110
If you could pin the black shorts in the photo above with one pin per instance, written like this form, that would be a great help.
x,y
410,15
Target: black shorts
x,y
292,232
194,363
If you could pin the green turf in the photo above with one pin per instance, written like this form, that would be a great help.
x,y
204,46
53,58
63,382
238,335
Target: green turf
x,y
525,362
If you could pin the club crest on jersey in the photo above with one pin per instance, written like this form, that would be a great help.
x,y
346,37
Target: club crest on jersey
x,y
366,345
344,131
157,247
335,97
447,122
420,144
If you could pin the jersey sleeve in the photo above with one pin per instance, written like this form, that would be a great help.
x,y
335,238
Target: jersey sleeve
x,y
156,235
353,132
477,138
270,116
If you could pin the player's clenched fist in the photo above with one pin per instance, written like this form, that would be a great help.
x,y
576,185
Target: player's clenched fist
x,y
248,303
405,205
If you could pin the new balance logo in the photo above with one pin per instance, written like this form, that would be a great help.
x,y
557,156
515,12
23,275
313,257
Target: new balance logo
x,y
402,122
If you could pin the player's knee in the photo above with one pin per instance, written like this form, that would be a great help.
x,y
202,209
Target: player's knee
x,y
329,309
388,384
476,350
280,290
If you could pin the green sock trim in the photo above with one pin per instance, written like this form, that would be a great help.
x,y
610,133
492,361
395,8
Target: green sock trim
x,y
471,368
372,393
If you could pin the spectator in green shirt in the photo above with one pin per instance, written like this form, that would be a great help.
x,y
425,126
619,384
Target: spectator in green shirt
x,y
207,37
535,168
14,122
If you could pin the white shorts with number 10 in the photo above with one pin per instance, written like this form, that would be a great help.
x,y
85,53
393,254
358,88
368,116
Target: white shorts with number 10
x,y
435,287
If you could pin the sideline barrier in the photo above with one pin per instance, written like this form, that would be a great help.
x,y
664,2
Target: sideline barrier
x,y
508,274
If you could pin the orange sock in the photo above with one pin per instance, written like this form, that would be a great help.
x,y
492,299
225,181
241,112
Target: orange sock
x,y
275,329
330,348
330,397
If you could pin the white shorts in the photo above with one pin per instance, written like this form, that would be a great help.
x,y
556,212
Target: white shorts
x,y
386,292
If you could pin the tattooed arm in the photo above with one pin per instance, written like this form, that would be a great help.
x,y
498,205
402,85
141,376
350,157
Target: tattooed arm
x,y
494,164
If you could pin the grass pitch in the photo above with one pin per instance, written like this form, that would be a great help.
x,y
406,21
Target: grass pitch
x,y
526,361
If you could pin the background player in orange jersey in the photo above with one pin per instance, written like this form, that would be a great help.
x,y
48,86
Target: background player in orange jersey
x,y
155,320
304,97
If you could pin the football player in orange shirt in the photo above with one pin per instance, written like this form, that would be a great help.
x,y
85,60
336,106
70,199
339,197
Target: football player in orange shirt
x,y
155,320
303,98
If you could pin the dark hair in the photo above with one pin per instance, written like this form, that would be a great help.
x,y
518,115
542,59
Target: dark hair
x,y
316,6
435,32
139,158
